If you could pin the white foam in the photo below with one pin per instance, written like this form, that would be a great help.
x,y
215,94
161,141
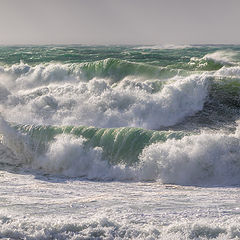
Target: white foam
x,y
208,158
16,148
68,156
84,210
166,46
4,93
205,159
223,57
23,76
105,228
229,71
97,103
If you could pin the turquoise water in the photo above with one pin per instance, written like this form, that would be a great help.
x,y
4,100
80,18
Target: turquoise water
x,y
78,54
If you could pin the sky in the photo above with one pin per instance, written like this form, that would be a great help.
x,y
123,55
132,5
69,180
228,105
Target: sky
x,y
119,22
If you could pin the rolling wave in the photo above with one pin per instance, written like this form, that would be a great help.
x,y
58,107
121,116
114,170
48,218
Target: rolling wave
x,y
90,119
133,102
127,153
112,68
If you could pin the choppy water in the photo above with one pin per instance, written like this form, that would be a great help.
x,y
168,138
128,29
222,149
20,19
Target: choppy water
x,y
117,142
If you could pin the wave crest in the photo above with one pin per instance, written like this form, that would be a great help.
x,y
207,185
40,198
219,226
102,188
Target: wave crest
x,y
106,154
200,159
100,104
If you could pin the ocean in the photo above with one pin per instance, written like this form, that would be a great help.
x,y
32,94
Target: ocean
x,y
120,142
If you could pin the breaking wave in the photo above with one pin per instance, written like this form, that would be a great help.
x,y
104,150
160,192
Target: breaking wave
x,y
111,68
128,154
134,103
88,119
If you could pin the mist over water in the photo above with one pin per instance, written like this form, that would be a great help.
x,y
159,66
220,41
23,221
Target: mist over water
x,y
119,115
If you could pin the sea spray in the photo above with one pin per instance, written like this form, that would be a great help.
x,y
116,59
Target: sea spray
x,y
95,107
207,158
19,144
96,103
68,172
117,143
204,158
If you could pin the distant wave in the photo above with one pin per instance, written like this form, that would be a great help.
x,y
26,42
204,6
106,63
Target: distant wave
x,y
114,69
166,46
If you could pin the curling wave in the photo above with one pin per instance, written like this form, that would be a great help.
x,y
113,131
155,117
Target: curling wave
x,y
128,154
113,69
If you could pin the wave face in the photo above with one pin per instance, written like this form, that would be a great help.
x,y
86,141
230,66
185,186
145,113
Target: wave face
x,y
127,153
139,113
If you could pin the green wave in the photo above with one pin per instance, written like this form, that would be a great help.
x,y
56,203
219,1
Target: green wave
x,y
117,69
226,91
201,64
120,145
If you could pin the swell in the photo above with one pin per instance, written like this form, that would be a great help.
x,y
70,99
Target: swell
x,y
112,68
117,69
210,158
120,145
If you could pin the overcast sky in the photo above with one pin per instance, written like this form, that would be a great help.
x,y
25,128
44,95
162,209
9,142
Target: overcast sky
x,y
119,21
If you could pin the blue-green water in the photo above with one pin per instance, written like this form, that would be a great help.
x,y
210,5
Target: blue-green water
x,y
119,142
79,53
120,99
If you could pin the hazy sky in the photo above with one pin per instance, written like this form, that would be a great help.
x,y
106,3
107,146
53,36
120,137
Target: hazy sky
x,y
119,21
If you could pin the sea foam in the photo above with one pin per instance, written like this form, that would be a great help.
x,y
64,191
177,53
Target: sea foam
x,y
207,158
98,103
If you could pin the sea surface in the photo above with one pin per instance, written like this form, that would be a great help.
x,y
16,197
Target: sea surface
x,y
120,142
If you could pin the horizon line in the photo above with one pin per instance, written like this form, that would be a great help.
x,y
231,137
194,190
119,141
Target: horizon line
x,y
117,44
